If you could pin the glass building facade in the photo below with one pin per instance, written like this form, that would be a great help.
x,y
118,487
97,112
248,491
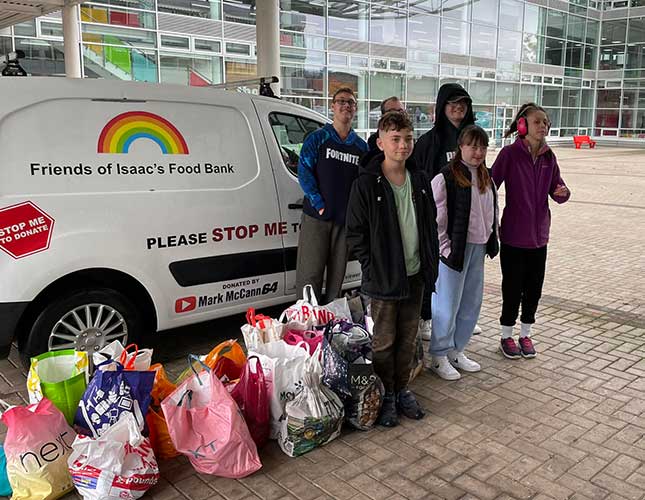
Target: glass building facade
x,y
583,60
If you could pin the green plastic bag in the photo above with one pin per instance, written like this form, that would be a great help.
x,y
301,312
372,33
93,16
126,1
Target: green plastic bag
x,y
61,377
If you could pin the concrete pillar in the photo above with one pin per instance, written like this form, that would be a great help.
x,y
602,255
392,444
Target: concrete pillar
x,y
267,19
71,41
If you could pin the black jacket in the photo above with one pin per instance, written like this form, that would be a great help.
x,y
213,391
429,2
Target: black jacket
x,y
435,148
372,150
374,236
458,205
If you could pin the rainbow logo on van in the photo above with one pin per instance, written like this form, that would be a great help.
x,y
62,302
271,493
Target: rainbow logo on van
x,y
124,129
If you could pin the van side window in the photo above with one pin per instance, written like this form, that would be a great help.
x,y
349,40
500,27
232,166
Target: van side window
x,y
290,132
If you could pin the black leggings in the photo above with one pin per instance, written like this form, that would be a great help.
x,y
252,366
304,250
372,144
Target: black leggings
x,y
522,279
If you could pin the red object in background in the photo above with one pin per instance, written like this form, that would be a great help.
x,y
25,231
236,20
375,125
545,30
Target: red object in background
x,y
185,304
196,80
124,19
24,229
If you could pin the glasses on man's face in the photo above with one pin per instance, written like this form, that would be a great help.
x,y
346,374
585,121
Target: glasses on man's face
x,y
345,102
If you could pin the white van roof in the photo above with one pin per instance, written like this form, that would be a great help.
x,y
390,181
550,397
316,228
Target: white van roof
x,y
19,92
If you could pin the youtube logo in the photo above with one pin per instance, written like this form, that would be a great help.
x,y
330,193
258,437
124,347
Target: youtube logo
x,y
185,304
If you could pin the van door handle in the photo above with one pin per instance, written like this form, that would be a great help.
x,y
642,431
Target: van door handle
x,y
295,206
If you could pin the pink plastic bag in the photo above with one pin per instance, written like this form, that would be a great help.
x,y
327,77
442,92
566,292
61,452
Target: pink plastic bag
x,y
206,425
37,446
312,338
252,396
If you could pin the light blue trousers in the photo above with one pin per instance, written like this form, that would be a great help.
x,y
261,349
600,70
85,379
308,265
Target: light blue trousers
x,y
457,302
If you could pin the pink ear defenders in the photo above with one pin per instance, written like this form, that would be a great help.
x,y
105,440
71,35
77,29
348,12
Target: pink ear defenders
x,y
522,127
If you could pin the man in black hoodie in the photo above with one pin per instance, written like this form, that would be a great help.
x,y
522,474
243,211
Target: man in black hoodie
x,y
392,230
435,148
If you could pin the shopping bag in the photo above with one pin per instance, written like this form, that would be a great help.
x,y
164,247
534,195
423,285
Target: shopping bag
x,y
305,313
139,360
226,358
110,394
5,487
314,417
118,465
335,372
260,329
252,397
159,435
283,367
162,386
338,309
37,446
61,377
206,425
310,339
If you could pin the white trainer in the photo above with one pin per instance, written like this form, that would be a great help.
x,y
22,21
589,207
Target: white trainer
x,y
477,330
442,367
425,328
460,361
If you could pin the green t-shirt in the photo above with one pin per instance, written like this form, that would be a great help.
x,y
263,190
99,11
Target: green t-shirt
x,y
407,224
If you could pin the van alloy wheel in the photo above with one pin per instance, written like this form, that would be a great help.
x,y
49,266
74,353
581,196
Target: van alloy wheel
x,y
88,327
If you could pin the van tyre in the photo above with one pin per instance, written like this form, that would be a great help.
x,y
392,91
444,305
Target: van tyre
x,y
84,320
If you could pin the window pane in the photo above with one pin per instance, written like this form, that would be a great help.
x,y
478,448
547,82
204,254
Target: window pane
x,y
384,85
635,56
591,55
533,48
207,45
138,4
423,32
484,41
238,48
289,39
303,16
612,57
608,98
456,9
209,9
5,45
175,42
48,28
556,23
237,69
607,118
576,28
485,11
239,11
530,93
574,55
553,52
507,94
482,92
551,96
613,32
592,31
26,29
118,36
571,98
510,45
302,80
587,98
118,17
534,19
570,118
354,79
454,37
303,56
510,15
42,57
388,26
637,30
422,84
290,132
348,19
421,116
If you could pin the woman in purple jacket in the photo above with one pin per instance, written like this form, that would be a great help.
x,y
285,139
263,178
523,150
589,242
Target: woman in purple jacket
x,y
530,172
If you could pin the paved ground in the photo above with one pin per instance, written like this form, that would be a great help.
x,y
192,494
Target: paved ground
x,y
569,424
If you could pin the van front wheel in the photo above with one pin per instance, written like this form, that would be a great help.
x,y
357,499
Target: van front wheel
x,y
85,320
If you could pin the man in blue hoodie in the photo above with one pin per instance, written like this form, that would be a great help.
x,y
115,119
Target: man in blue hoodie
x,y
327,168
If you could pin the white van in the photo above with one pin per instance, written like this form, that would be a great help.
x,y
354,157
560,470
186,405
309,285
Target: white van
x,y
127,208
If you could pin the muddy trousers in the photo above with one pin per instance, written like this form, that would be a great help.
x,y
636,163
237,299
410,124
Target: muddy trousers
x,y
396,324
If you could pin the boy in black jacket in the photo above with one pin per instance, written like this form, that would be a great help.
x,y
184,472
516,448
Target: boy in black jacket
x,y
392,229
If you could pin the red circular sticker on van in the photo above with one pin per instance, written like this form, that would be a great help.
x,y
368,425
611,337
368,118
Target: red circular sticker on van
x,y
24,229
